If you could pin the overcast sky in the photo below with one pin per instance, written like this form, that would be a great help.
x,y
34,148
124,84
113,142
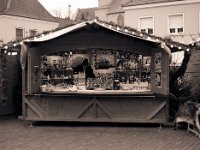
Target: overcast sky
x,y
62,5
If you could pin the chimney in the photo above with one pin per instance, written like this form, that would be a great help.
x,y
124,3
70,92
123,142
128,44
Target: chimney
x,y
69,11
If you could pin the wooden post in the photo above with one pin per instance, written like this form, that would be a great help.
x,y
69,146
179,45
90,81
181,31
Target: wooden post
x,y
23,92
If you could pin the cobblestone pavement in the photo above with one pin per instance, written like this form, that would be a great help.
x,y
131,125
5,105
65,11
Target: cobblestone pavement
x,y
15,136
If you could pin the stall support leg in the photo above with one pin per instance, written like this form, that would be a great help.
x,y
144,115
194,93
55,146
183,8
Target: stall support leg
x,y
23,93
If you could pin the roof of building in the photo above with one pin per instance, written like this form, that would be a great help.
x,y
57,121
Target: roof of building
x,y
115,6
63,22
143,2
85,14
25,8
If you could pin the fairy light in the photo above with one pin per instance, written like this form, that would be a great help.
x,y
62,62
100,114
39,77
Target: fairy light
x,y
172,46
187,49
6,47
133,32
14,44
21,43
141,34
126,30
179,47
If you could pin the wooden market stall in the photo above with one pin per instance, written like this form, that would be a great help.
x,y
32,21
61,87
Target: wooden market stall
x,y
93,72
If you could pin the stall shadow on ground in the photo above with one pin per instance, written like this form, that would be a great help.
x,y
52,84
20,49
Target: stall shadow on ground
x,y
95,124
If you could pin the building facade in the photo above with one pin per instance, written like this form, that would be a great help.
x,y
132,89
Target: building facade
x,y
178,20
22,18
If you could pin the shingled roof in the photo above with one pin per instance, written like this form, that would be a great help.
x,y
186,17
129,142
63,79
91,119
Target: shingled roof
x,y
25,8
143,2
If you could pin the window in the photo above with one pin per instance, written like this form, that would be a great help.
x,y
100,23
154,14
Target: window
x,y
32,32
146,24
176,24
120,20
19,33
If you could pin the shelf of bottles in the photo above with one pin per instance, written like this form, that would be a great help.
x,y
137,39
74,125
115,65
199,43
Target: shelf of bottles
x,y
132,72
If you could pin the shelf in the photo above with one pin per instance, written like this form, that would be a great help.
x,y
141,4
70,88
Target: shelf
x,y
59,79
128,71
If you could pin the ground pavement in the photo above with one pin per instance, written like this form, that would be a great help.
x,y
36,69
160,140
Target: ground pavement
x,y
14,135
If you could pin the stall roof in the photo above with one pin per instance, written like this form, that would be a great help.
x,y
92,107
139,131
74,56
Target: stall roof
x,y
64,31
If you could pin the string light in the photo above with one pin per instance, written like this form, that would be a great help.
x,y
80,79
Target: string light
x,y
133,32
179,47
6,47
126,30
187,49
14,44
172,46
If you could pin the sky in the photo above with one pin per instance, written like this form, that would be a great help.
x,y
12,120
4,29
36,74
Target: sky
x,y
61,6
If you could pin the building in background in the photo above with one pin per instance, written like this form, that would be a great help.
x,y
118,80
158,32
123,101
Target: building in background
x,y
85,14
178,20
23,18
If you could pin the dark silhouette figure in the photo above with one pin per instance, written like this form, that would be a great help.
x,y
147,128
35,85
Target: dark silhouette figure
x,y
85,67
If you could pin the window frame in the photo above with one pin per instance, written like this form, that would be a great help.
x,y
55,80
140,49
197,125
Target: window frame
x,y
146,30
30,30
23,34
176,29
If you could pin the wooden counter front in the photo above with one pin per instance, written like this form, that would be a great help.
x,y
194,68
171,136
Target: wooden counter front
x,y
96,106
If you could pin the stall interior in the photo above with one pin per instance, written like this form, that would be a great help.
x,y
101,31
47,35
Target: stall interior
x,y
95,69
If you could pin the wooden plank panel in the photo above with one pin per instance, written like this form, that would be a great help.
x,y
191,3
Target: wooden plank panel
x,y
193,68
